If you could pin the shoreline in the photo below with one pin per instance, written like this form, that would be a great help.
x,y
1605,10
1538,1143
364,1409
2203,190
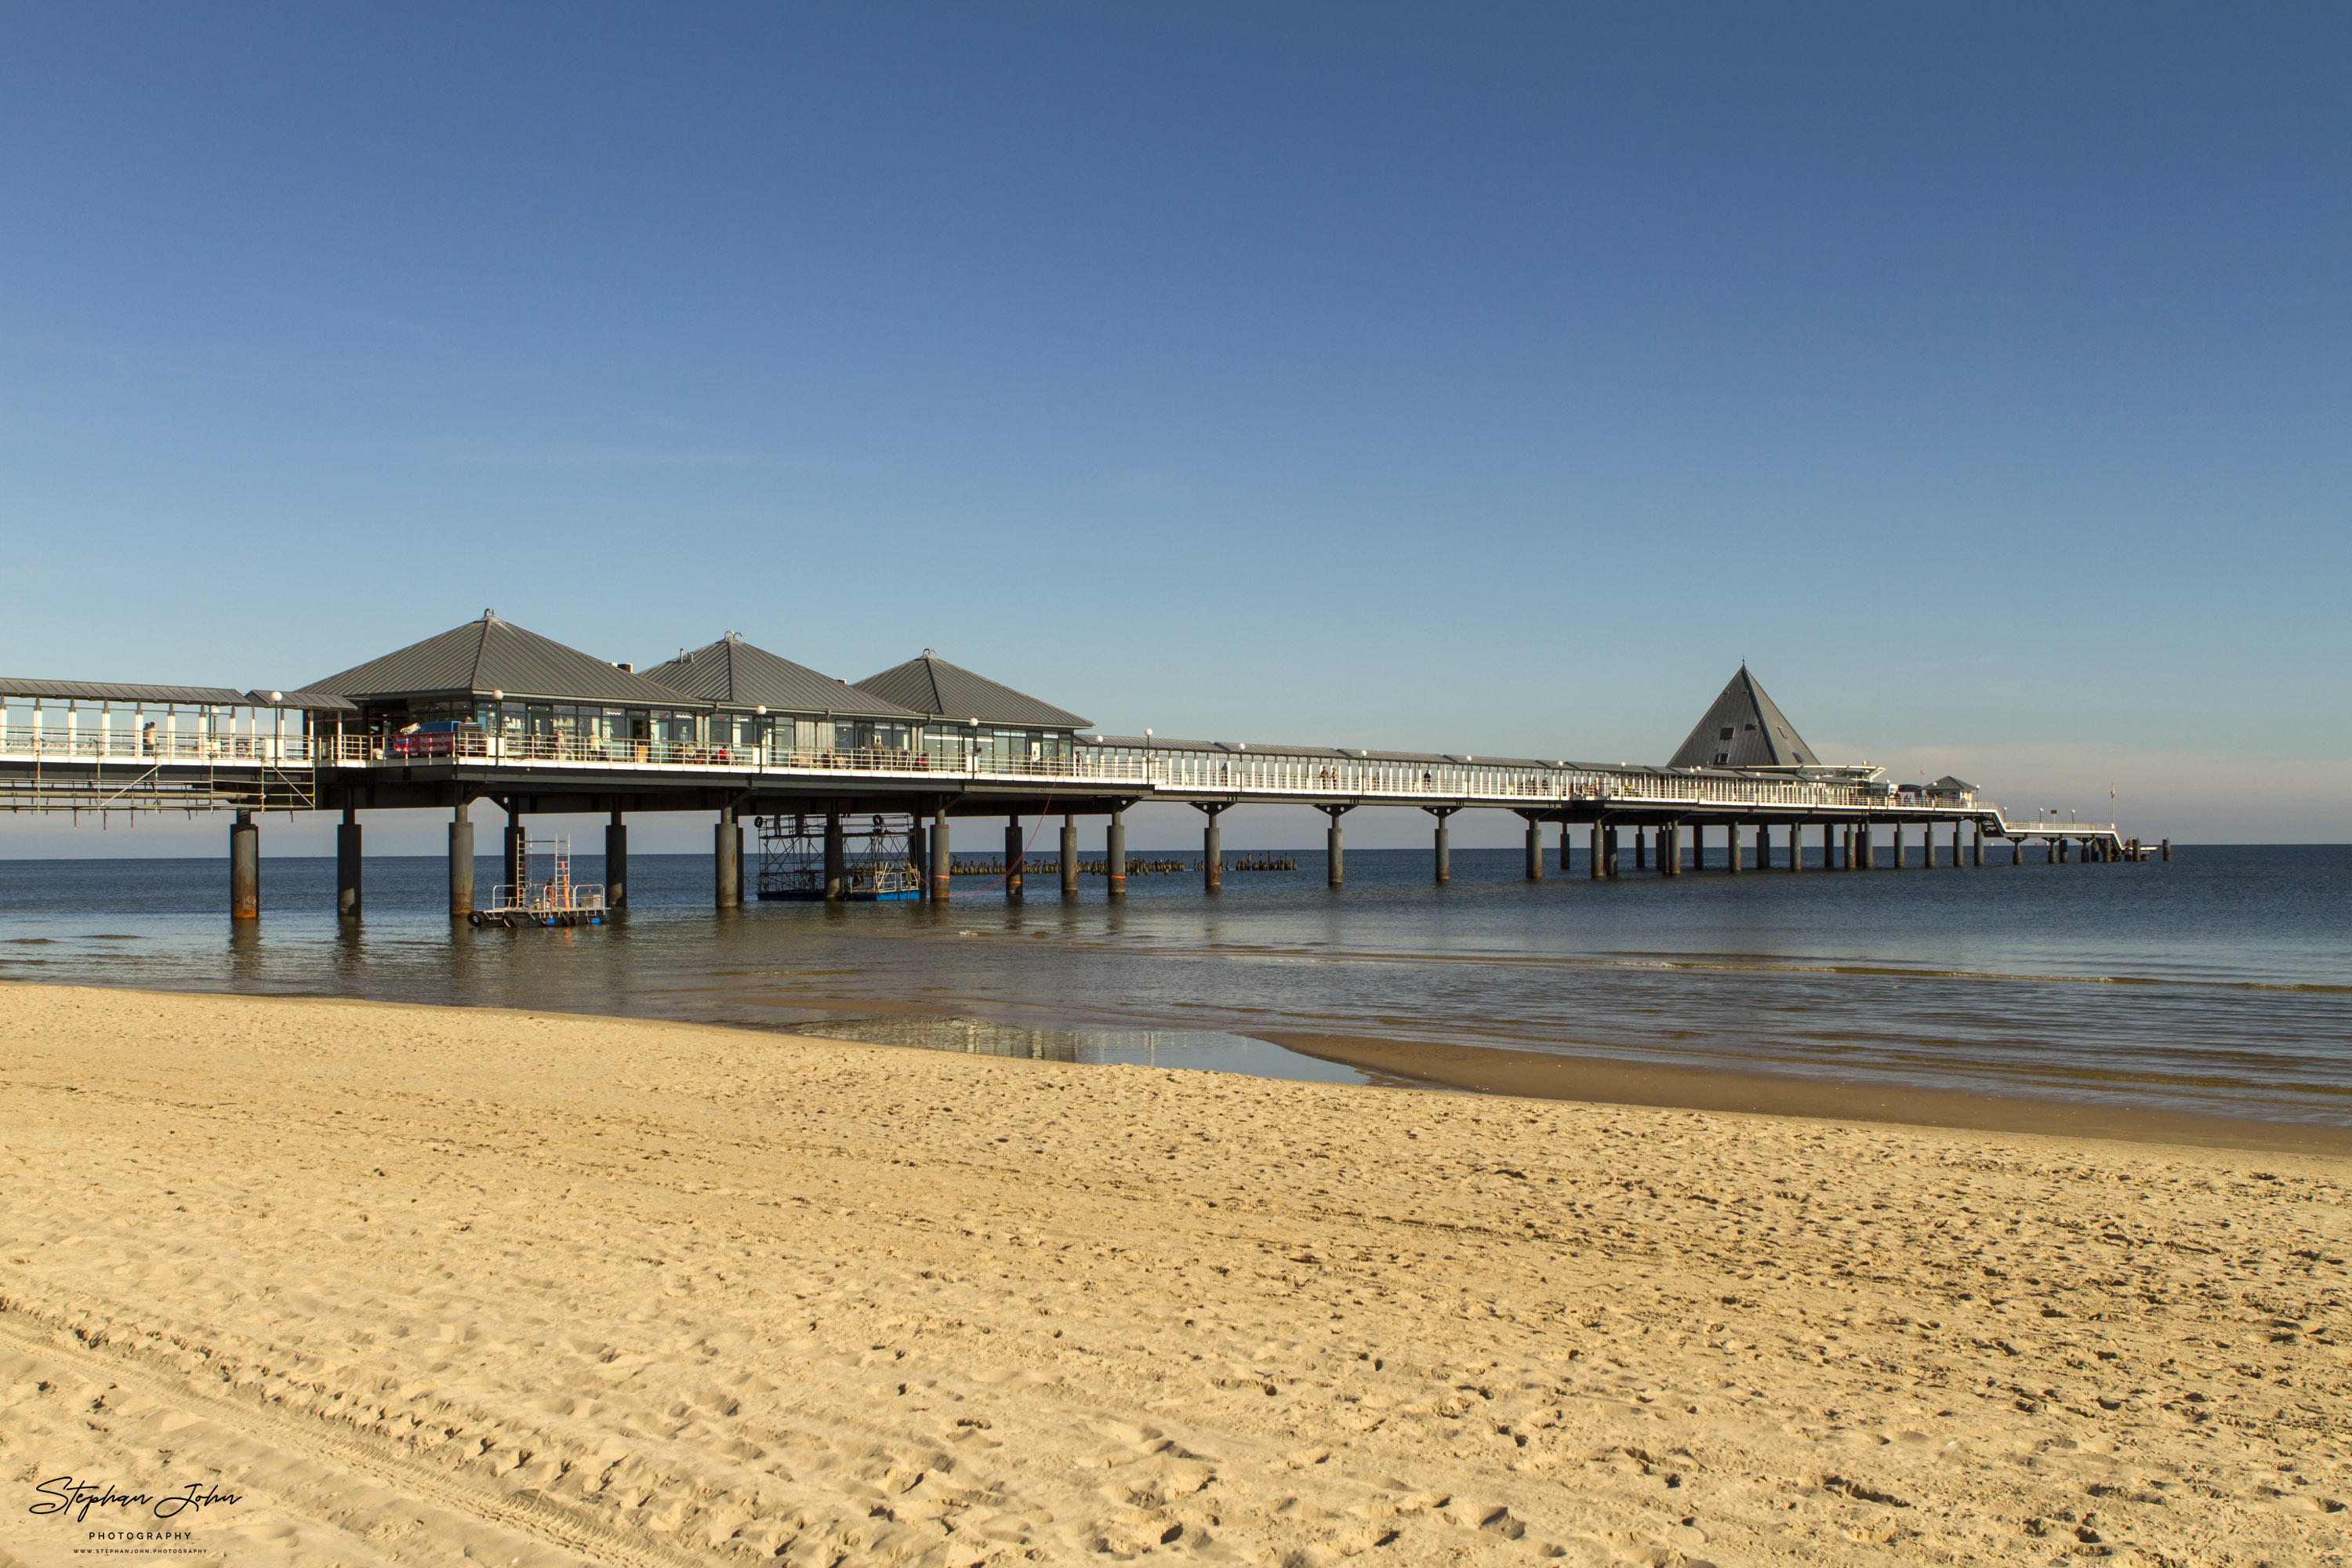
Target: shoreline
x,y
1602,1080
1505,1071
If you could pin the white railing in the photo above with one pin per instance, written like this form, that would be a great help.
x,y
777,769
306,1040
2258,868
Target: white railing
x,y
113,746
1178,773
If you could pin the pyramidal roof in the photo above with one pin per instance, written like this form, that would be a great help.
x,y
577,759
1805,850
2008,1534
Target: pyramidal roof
x,y
734,672
1744,729
932,686
491,656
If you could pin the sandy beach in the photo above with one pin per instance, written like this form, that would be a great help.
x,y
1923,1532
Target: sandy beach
x,y
427,1285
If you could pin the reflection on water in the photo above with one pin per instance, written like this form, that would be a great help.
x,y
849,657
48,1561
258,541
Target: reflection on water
x,y
1193,1049
2220,982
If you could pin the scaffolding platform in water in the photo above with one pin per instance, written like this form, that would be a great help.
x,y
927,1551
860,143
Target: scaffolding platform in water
x,y
874,866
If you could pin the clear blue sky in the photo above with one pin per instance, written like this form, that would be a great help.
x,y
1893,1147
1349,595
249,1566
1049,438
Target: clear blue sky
x,y
1485,378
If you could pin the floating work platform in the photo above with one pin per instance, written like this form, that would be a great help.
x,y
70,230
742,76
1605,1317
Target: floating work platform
x,y
551,899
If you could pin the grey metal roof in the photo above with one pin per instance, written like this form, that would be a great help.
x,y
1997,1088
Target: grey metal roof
x,y
491,654
118,691
1761,737
308,701
932,686
733,672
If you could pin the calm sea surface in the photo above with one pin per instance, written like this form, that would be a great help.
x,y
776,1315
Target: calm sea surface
x,y
2221,982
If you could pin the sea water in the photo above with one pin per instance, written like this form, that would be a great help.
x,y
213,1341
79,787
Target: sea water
x,y
2219,982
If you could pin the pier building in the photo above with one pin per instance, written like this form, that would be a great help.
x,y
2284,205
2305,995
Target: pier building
x,y
489,711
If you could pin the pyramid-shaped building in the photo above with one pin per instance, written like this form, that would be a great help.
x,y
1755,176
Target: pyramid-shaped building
x,y
1744,729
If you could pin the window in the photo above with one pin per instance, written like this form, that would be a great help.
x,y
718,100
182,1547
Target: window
x,y
1721,758
1723,735
1747,726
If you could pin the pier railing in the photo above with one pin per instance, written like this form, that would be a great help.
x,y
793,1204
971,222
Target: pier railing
x,y
116,745
1180,773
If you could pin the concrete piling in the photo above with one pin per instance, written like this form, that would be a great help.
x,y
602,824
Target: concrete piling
x,y
347,865
1593,853
1334,847
1898,847
939,861
1115,854
244,868
461,861
617,862
1012,867
1610,851
1443,847
1070,853
1213,852
836,859
727,861
1535,852
1731,848
1641,848
1670,849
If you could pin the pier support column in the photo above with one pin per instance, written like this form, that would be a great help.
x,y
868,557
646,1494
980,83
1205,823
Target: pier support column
x,y
940,864
1698,847
1731,847
518,850
1796,847
1444,843
1763,846
1535,850
1593,854
1609,851
726,860
1333,874
461,861
1567,861
1957,862
1114,853
617,862
1070,855
837,861
1212,848
2164,848
1641,849
244,868
1898,847
1013,863
1670,849
347,865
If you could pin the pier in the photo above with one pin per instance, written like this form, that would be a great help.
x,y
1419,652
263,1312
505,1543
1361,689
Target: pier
x,y
490,712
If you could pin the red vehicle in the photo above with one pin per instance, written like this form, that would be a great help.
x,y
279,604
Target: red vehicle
x,y
442,738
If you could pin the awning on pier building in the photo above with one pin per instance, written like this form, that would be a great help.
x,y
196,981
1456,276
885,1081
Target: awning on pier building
x,y
1744,729
761,698
506,678
968,712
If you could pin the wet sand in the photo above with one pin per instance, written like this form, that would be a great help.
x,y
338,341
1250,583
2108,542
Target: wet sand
x,y
1546,1075
427,1284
